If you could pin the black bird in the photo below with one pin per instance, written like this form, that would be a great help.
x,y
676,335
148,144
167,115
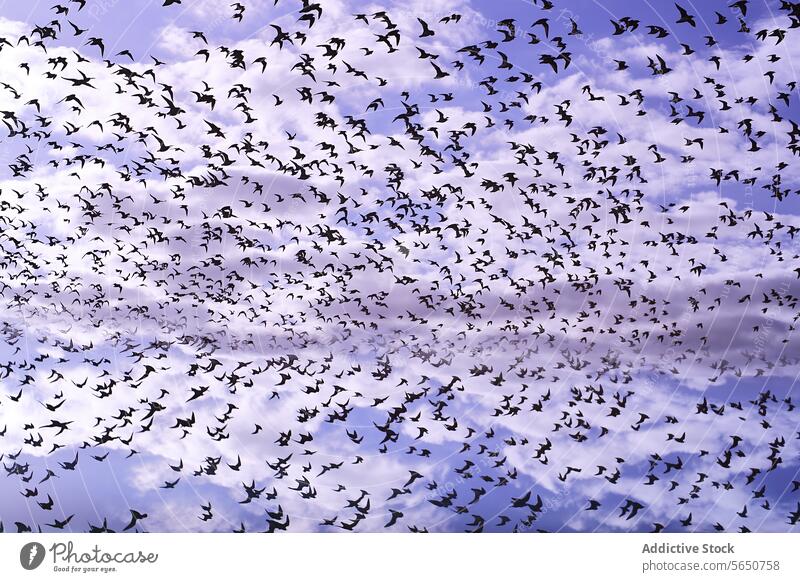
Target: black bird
x,y
426,31
685,17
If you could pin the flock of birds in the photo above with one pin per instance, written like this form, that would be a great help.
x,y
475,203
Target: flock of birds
x,y
389,279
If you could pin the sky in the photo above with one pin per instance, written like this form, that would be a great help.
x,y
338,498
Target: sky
x,y
276,254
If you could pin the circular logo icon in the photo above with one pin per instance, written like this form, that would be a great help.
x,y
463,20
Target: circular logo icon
x,y
31,555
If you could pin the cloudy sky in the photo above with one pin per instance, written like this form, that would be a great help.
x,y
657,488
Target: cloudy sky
x,y
347,266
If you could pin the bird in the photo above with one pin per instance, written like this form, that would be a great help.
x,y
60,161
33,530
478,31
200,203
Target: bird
x,y
135,517
426,31
61,524
685,17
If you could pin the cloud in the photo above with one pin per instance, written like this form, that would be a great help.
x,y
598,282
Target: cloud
x,y
506,281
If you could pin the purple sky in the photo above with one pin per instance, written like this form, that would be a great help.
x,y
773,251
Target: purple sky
x,y
285,258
